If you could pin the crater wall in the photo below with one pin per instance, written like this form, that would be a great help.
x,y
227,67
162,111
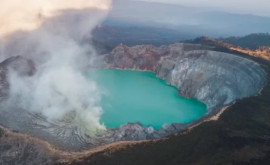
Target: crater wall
x,y
214,78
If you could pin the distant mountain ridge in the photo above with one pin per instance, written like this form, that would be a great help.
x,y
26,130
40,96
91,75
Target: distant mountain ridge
x,y
163,24
261,49
194,21
114,33
252,41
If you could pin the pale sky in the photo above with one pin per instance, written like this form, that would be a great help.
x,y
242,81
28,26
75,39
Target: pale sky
x,y
255,7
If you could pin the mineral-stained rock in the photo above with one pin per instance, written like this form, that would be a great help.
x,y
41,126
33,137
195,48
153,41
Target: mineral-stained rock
x,y
214,78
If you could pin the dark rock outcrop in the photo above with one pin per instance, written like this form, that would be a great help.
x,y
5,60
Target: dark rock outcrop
x,y
20,65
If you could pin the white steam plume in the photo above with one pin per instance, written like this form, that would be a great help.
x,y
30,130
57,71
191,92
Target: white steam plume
x,y
54,29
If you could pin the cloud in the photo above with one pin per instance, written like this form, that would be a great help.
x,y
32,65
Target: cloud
x,y
29,14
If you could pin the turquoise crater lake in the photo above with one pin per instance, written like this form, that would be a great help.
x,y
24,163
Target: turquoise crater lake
x,y
136,96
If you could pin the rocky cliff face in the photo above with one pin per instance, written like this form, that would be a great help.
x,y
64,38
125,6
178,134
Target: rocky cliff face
x,y
215,78
19,64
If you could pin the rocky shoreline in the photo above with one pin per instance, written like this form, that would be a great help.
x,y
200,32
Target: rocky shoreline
x,y
176,64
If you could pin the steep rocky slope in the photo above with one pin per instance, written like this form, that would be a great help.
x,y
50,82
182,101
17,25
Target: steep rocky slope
x,y
215,78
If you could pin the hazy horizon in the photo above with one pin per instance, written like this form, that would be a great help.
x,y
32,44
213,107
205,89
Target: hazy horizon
x,y
258,8
192,19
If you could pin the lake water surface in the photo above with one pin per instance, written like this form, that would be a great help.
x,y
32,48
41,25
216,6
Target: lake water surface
x,y
135,96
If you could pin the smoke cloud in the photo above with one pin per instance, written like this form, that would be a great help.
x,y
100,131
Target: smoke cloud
x,y
29,14
50,32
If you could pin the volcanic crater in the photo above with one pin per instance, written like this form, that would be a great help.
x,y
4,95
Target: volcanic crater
x,y
216,79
